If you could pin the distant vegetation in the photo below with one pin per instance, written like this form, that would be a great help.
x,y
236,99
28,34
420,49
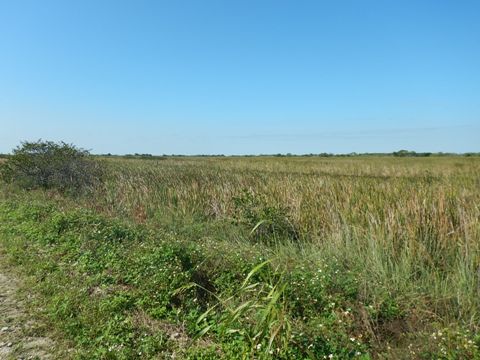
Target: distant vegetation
x,y
400,153
278,257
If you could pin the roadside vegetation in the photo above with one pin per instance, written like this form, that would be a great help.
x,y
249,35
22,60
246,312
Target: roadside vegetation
x,y
259,257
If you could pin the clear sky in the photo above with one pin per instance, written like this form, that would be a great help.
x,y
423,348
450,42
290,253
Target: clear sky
x,y
237,77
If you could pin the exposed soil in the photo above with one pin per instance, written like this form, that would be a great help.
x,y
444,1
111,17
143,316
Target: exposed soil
x,y
17,331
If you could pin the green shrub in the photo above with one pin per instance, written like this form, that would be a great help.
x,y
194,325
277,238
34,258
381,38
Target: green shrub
x,y
267,223
51,165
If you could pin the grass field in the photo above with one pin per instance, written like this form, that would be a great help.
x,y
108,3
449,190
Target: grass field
x,y
257,257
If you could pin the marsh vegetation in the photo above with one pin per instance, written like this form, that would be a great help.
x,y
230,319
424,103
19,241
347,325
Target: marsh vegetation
x,y
259,257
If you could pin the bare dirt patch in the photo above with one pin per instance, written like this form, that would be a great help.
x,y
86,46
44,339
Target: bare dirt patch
x,y
17,339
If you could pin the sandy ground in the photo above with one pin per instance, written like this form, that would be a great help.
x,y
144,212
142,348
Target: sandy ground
x,y
17,335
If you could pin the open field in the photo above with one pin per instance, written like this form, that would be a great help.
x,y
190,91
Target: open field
x,y
257,257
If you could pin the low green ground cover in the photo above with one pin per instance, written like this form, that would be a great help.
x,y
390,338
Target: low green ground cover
x,y
121,291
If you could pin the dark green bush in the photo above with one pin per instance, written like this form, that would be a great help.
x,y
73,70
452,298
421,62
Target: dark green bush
x,y
51,165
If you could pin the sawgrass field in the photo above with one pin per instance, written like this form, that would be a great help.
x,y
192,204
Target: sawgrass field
x,y
255,258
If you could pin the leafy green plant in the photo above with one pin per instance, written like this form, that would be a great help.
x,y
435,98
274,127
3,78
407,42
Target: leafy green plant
x,y
257,313
267,223
51,165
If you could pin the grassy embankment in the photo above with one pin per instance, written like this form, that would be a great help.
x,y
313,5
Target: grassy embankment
x,y
366,257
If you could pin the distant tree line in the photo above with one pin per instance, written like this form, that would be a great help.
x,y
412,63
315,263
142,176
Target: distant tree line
x,y
406,153
400,153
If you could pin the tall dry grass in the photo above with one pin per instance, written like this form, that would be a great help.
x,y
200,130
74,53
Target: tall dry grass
x,y
409,226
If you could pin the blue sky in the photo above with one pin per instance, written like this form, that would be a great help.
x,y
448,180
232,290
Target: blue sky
x,y
241,77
